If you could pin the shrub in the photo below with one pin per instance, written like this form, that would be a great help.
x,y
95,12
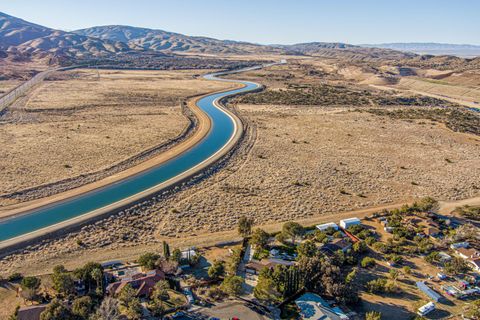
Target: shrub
x,y
232,285
376,286
367,262
148,260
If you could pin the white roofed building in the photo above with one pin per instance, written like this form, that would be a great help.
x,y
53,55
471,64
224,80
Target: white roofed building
x,y
345,223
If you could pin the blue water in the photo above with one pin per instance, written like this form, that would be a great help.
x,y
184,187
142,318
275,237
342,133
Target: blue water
x,y
220,133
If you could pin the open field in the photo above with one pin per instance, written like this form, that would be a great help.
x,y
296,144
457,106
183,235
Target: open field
x,y
58,133
7,85
304,163
307,163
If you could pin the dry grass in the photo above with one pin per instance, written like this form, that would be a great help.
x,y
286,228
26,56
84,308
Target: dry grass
x,y
76,124
311,161
7,85
296,163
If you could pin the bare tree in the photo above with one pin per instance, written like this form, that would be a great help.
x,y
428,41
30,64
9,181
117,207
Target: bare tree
x,y
108,310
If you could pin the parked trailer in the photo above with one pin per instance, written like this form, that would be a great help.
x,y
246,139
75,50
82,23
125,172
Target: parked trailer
x,y
426,309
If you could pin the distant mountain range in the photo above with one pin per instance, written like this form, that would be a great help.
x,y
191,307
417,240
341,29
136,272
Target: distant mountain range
x,y
461,50
24,38
21,40
164,41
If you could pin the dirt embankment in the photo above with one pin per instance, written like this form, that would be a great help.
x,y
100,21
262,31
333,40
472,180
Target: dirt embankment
x,y
58,139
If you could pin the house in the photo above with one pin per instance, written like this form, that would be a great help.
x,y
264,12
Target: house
x,y
142,283
255,266
468,253
433,232
428,291
313,307
325,226
335,245
345,223
31,313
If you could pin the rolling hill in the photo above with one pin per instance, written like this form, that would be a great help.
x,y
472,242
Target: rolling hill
x,y
460,50
20,37
170,42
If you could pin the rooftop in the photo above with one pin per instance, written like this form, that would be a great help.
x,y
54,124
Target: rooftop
x,y
313,307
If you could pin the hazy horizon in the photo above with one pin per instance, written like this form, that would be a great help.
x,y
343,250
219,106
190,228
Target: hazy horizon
x,y
267,22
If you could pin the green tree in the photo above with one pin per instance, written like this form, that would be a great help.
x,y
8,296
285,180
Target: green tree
x,y
394,274
85,274
160,290
134,310
56,310
266,288
432,257
30,283
320,236
456,266
97,276
307,249
367,262
232,285
82,307
473,310
176,255
217,270
245,226
359,247
407,270
62,280
129,303
376,286
148,260
351,276
166,250
159,296
29,287
259,239
292,230
373,315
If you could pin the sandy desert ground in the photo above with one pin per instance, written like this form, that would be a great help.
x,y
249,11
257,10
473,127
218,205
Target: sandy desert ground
x,y
296,162
77,124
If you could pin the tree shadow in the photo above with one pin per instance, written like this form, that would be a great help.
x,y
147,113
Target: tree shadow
x,y
388,310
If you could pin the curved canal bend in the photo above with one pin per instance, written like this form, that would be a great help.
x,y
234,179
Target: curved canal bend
x,y
222,132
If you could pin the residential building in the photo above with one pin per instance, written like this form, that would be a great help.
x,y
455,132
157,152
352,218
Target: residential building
x,y
345,223
428,291
325,226
142,283
342,244
468,253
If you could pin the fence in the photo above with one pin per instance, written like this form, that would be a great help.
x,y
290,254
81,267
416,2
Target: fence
x,y
20,90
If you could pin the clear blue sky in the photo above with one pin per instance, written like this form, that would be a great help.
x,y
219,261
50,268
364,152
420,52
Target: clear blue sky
x,y
270,21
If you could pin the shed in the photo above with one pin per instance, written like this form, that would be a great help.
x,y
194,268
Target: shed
x,y
345,223
325,226
428,291
423,310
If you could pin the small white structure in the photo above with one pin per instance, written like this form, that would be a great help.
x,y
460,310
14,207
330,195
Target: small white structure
x,y
444,257
428,291
459,245
345,223
423,310
325,226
